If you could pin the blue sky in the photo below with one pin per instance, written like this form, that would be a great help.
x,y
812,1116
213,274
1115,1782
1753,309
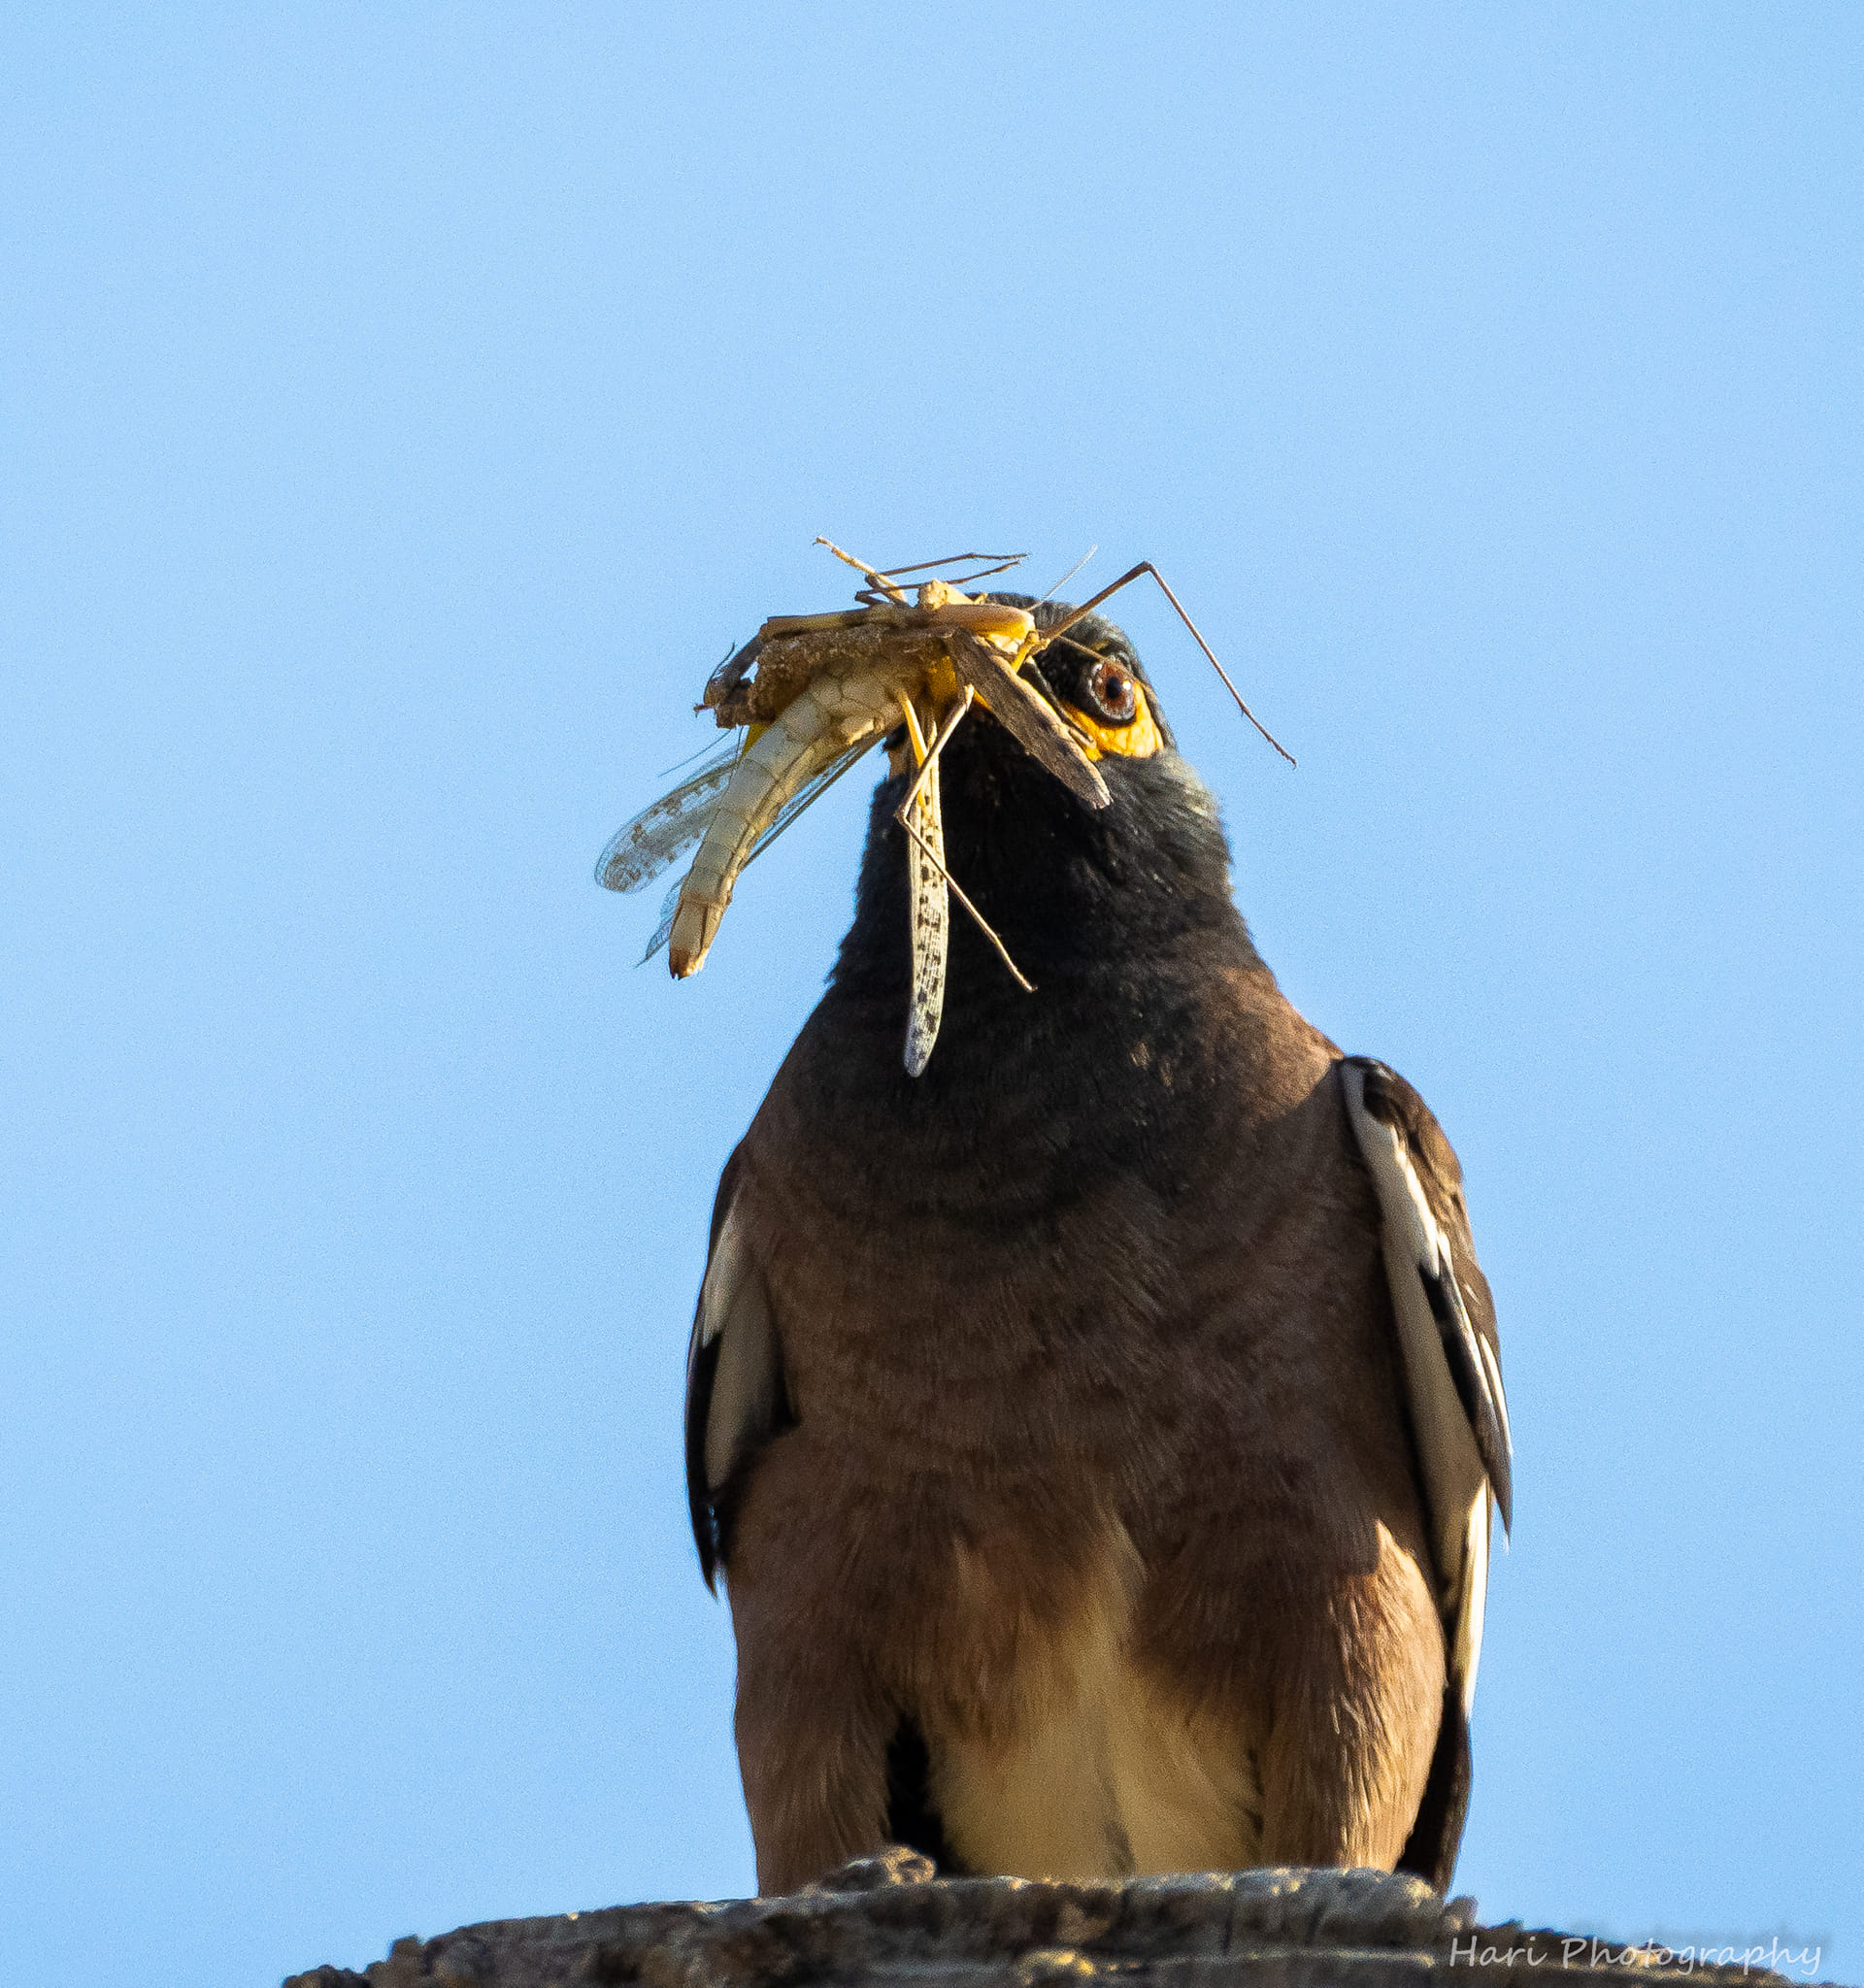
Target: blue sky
x,y
403,409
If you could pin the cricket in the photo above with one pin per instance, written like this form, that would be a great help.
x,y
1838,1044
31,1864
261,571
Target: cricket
x,y
812,694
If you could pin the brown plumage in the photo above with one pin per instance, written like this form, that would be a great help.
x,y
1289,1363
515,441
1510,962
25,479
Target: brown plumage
x,y
1084,1505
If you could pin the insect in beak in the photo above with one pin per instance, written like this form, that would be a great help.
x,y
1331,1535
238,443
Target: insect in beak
x,y
832,685
930,884
812,693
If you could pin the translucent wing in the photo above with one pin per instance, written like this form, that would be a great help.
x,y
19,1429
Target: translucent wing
x,y
658,835
805,797
663,931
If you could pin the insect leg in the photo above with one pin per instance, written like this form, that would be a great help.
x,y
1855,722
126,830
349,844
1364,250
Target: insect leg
x,y
928,756
919,848
977,918
879,579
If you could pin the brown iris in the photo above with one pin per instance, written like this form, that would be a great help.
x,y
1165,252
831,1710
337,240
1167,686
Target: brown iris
x,y
1115,694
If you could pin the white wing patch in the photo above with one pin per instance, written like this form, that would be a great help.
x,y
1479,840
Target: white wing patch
x,y
1461,1430
734,1312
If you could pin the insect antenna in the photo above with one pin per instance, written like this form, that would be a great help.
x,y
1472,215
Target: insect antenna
x,y
1005,561
1070,574
1124,579
665,771
1084,648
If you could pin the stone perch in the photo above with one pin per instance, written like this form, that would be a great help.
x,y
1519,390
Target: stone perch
x,y
888,1919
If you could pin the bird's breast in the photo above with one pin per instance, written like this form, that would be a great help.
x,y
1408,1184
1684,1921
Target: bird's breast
x,y
1074,1762
1012,1267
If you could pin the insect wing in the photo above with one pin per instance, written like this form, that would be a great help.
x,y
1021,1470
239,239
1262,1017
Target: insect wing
x,y
930,911
658,834
663,931
804,798
1028,719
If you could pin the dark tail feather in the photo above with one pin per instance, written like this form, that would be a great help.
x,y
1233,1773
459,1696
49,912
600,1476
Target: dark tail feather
x,y
910,1817
1437,1832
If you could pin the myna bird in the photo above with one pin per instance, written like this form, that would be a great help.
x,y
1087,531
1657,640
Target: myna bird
x,y
1098,1430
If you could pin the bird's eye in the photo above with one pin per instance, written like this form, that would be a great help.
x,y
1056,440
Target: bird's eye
x,y
1115,693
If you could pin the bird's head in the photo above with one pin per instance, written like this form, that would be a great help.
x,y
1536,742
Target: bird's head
x,y
1035,785
1092,675
1063,874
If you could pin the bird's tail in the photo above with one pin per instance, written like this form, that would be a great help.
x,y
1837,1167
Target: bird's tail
x,y
1430,1850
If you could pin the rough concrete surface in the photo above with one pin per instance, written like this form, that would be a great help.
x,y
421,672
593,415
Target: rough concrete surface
x,y
888,1919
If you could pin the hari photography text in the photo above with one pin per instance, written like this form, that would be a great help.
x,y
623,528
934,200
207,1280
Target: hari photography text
x,y
1779,1954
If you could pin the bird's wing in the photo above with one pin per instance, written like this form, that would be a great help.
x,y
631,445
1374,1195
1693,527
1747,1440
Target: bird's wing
x,y
735,1398
1445,1323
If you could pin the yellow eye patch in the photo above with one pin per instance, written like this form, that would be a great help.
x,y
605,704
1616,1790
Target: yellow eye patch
x,y
1136,739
